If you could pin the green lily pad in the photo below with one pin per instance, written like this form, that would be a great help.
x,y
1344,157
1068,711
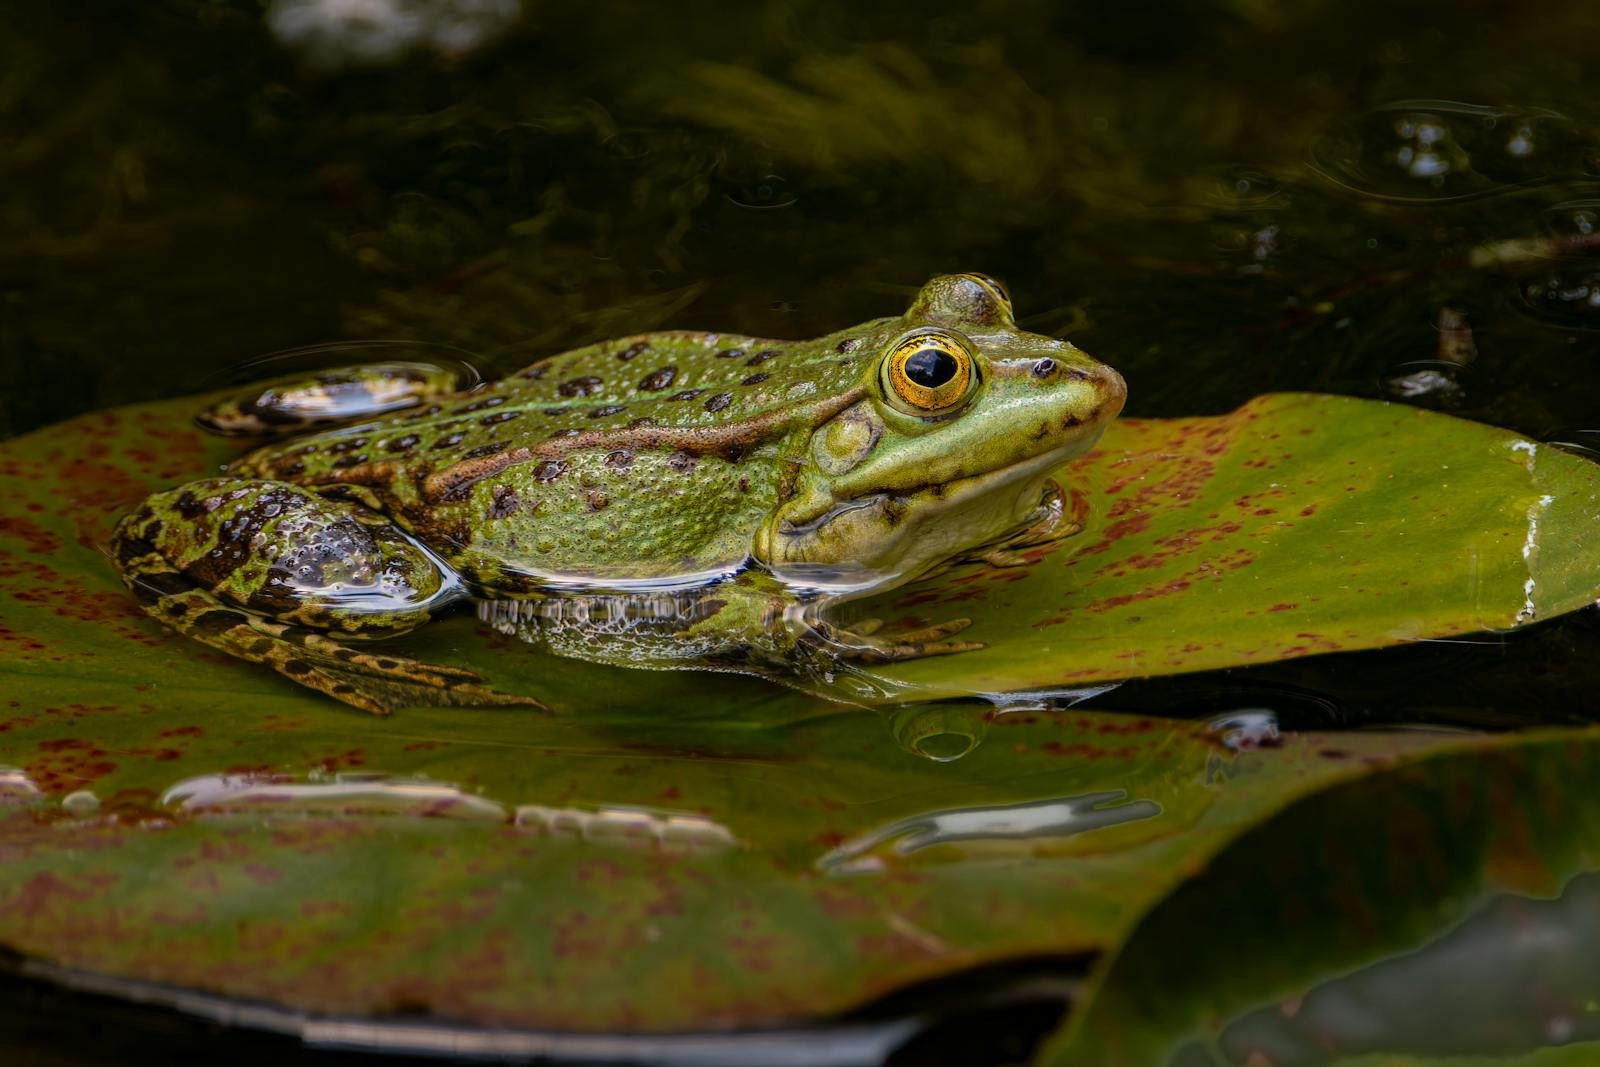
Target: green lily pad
x,y
680,851
1297,524
1427,909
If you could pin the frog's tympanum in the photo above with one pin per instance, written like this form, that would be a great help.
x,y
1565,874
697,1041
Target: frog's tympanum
x,y
664,500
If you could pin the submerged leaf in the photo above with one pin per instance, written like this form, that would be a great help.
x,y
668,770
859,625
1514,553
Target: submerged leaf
x,y
1442,908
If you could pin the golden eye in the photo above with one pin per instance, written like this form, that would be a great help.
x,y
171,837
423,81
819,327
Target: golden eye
x,y
929,373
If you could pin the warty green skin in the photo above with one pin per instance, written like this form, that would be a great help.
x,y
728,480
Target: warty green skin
x,y
667,499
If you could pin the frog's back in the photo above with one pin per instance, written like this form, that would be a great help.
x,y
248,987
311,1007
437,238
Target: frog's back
x,y
687,378
650,457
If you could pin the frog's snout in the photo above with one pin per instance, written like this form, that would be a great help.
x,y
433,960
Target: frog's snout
x,y
1047,370
1113,389
1066,390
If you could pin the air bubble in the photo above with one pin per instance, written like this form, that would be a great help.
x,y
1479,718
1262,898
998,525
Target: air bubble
x,y
81,804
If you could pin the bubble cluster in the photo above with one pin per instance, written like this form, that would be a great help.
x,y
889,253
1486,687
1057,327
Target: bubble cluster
x,y
1442,150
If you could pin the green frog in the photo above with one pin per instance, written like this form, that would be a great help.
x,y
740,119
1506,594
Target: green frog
x,y
671,499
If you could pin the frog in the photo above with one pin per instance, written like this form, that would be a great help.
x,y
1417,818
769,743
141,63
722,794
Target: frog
x,y
671,499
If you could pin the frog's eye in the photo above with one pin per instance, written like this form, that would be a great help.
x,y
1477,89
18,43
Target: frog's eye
x,y
928,373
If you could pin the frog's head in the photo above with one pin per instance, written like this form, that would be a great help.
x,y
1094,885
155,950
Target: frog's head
x,y
963,419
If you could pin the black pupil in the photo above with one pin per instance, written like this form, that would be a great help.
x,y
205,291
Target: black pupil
x,y
930,367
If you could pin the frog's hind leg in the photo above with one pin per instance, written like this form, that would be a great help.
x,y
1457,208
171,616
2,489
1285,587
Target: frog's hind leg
x,y
328,398
270,572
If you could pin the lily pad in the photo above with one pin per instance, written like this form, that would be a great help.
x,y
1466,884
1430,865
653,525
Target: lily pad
x,y
1296,525
515,870
178,817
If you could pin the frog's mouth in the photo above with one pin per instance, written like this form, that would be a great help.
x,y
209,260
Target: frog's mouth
x,y
952,492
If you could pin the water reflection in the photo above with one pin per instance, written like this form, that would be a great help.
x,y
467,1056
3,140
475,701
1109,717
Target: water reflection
x,y
1518,976
1570,296
1437,378
1057,817
1247,728
1445,150
1584,442
310,359
321,385
1419,379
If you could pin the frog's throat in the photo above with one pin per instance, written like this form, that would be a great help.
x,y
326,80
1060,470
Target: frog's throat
x,y
951,494
933,496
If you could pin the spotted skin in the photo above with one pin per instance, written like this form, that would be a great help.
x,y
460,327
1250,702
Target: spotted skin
x,y
737,473
206,580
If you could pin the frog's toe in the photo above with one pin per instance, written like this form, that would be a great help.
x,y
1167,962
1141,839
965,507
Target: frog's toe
x,y
409,683
380,684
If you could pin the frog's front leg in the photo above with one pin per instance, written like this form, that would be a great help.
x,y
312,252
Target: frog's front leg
x,y
275,574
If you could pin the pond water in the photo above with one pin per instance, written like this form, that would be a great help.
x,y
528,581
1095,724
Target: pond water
x,y
1219,198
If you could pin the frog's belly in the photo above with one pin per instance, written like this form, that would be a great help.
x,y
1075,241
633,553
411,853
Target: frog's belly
x,y
659,630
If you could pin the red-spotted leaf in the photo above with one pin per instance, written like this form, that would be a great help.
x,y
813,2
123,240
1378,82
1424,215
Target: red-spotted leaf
x,y
1296,525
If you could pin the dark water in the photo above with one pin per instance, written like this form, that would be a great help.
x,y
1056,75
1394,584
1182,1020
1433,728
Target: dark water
x,y
1214,197
1396,200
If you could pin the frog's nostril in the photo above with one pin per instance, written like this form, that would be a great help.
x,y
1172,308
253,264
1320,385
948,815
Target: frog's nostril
x,y
1044,368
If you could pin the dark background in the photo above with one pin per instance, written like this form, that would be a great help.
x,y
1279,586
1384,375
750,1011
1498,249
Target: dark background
x,y
1176,185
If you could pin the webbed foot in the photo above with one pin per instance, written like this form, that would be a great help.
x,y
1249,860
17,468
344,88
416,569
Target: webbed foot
x,y
371,681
